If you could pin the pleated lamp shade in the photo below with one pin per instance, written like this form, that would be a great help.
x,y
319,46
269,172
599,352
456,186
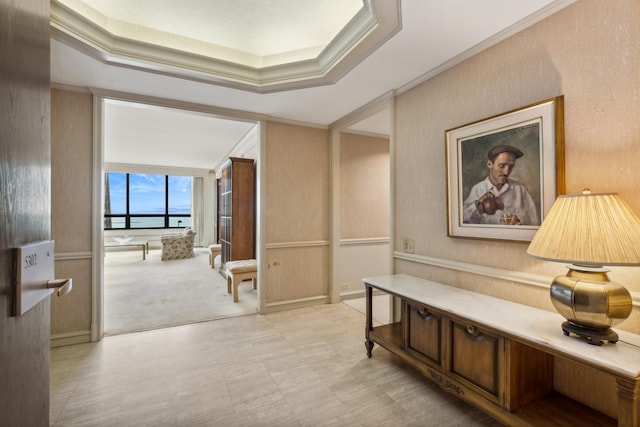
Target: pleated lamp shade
x,y
589,230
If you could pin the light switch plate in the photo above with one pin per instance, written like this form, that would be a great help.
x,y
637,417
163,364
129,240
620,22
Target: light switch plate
x,y
34,267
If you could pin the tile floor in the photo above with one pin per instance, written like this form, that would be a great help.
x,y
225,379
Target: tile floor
x,y
304,367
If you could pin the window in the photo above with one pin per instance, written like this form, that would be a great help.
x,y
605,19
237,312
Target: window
x,y
134,201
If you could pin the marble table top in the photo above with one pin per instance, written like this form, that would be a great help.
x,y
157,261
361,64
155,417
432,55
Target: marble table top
x,y
530,325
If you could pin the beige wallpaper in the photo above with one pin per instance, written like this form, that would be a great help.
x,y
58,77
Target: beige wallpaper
x,y
297,197
297,273
297,212
588,52
364,186
71,169
71,206
71,314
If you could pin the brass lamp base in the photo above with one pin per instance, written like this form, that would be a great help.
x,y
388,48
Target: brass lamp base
x,y
592,336
590,303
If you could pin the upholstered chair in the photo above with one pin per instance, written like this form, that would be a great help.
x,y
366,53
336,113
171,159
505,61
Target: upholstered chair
x,y
178,245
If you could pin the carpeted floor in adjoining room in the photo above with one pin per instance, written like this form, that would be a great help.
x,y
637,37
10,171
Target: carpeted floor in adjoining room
x,y
141,295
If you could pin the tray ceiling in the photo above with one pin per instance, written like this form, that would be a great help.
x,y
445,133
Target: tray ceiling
x,y
260,46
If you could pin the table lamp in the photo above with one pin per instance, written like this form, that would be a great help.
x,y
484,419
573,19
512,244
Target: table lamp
x,y
589,231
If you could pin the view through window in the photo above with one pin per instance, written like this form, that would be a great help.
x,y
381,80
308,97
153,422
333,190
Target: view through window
x,y
134,201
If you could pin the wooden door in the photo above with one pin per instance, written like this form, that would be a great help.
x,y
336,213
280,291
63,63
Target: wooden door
x,y
25,206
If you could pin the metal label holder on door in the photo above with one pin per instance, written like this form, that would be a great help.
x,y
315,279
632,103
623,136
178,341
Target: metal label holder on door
x,y
34,276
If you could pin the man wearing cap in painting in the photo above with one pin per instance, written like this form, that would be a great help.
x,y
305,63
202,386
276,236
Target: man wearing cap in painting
x,y
498,199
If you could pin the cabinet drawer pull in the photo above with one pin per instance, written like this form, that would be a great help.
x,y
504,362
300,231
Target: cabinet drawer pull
x,y
424,313
473,333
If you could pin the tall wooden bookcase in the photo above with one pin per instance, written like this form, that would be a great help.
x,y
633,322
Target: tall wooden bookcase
x,y
236,207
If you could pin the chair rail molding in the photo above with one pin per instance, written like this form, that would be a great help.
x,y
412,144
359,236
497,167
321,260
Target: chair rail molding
x,y
66,256
365,241
530,279
304,244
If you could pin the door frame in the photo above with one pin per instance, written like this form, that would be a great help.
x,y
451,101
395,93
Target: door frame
x,y
97,234
384,102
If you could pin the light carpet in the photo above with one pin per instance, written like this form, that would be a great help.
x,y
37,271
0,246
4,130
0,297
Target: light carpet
x,y
141,295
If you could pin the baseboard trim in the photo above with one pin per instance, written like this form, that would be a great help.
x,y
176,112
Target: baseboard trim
x,y
358,294
273,307
70,338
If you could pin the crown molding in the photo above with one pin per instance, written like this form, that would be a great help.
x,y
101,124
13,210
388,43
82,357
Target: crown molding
x,y
238,115
375,23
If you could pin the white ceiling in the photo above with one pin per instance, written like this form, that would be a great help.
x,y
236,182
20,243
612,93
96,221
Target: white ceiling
x,y
153,135
435,35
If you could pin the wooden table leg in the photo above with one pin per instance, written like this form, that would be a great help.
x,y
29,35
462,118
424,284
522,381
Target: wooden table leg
x,y
369,322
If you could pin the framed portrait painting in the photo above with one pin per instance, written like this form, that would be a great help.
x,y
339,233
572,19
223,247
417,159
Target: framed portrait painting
x,y
504,172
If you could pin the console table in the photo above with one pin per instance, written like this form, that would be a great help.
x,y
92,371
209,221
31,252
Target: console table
x,y
499,355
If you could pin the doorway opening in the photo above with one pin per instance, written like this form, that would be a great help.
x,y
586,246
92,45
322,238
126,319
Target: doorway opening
x,y
362,217
137,289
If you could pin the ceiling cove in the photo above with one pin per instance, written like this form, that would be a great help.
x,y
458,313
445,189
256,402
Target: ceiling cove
x,y
257,46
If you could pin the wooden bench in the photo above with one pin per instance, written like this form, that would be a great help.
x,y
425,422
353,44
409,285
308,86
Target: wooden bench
x,y
214,251
238,271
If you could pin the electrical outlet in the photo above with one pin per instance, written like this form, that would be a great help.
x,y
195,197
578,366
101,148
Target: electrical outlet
x,y
407,246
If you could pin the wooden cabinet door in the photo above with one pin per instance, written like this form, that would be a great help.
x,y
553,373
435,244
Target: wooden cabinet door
x,y
423,333
218,211
236,206
242,210
476,358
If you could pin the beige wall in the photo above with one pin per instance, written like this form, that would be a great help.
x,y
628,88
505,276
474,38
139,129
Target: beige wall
x,y
588,52
297,210
297,214
364,212
71,209
364,186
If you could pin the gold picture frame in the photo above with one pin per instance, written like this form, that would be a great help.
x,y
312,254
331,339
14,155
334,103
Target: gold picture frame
x,y
479,204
